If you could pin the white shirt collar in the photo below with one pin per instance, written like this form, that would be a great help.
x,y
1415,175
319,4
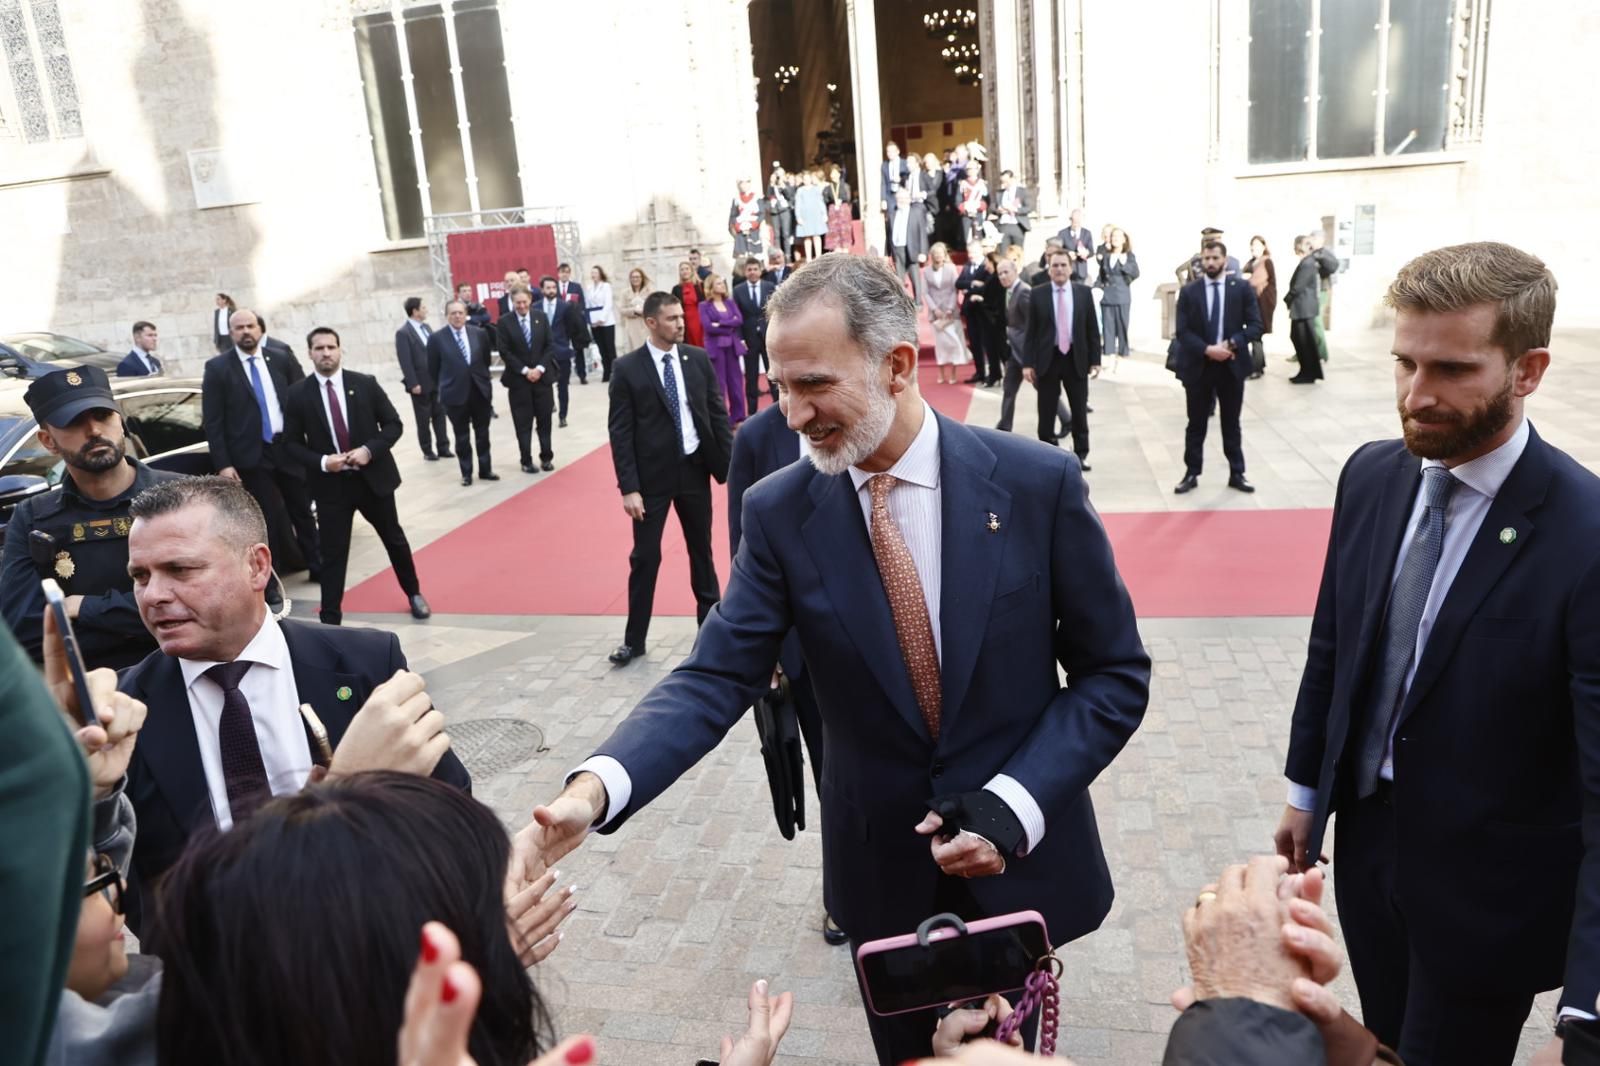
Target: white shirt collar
x,y
337,377
657,354
1487,473
267,647
920,463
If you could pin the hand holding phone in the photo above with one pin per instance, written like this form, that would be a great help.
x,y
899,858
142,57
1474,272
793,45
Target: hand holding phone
x,y
67,658
114,718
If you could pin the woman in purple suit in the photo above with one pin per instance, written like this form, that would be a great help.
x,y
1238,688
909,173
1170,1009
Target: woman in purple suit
x,y
722,322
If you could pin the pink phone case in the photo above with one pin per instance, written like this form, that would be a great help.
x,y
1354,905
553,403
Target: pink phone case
x,y
943,932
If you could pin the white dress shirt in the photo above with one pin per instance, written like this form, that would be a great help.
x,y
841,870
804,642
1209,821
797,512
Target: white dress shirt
x,y
274,408
327,411
274,701
915,506
691,437
420,327
1480,482
221,321
144,358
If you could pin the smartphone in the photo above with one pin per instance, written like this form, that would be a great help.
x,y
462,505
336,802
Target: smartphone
x,y
993,955
56,601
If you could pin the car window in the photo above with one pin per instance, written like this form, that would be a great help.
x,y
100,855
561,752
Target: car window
x,y
50,346
162,421
23,452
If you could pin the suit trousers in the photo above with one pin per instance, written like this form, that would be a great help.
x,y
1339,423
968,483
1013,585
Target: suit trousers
x,y
336,511
475,414
430,412
1010,233
530,407
1219,387
1062,376
1303,335
903,1037
691,498
755,357
972,319
286,505
1114,328
1008,400
1429,1021
995,351
605,337
564,359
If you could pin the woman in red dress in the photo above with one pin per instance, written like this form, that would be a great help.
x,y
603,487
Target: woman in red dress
x,y
687,290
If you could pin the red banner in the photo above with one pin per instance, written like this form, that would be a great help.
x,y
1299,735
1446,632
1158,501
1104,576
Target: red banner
x,y
480,258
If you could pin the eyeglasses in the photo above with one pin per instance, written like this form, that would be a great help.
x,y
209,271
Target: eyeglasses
x,y
107,881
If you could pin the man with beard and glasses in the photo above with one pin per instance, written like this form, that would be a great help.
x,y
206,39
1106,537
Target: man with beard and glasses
x,y
1450,706
938,576
77,532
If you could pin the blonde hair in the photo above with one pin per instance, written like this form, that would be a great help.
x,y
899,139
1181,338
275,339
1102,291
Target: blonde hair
x,y
1465,275
709,285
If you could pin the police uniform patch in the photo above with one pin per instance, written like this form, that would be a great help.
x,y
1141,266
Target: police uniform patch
x,y
74,378
78,531
65,567
122,525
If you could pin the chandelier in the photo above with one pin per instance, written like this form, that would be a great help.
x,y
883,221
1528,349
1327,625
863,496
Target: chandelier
x,y
955,55
949,24
785,76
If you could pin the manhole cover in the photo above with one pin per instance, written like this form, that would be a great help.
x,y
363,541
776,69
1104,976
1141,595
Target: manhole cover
x,y
490,746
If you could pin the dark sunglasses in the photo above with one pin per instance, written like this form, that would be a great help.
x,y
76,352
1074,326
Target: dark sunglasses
x,y
107,881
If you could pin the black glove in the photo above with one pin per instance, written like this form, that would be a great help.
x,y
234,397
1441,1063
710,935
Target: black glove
x,y
981,813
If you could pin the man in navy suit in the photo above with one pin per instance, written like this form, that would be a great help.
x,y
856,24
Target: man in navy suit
x,y
999,574
752,295
1218,317
892,175
1079,243
141,360
524,341
1053,369
228,680
569,336
1450,706
778,268
458,359
411,350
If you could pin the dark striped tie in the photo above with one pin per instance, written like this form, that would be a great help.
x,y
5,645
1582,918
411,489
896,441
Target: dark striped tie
x,y
243,772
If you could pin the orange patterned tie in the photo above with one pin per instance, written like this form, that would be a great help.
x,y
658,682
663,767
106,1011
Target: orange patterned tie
x,y
906,603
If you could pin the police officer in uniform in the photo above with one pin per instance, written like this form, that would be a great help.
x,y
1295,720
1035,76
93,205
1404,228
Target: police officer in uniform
x,y
77,533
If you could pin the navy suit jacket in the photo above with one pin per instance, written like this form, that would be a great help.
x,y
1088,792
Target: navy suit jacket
x,y
1497,752
229,411
1241,324
754,312
454,375
1028,584
412,352
166,781
133,367
1039,349
764,444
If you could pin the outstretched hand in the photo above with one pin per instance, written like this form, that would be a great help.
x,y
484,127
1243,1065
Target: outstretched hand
x,y
769,1020
556,829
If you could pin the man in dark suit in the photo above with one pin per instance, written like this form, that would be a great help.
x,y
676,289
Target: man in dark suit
x,y
572,292
241,403
1017,301
1012,211
1218,317
141,360
411,349
778,268
1304,304
1062,354
341,425
701,270
512,280
892,175
529,375
751,296
458,359
229,678
569,336
970,281
477,314
1079,243
669,437
273,344
934,608
1450,708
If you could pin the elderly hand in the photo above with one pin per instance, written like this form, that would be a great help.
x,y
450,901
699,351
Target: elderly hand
x,y
967,855
533,918
441,1003
107,747
396,729
769,1020
555,830
959,1026
1234,937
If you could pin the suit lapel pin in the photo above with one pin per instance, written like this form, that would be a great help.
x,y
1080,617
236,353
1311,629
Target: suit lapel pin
x,y
1508,536
344,692
993,524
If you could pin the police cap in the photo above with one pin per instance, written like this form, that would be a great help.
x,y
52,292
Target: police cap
x,y
62,395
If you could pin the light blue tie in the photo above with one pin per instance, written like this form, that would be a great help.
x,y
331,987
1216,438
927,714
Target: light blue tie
x,y
527,334
670,381
1406,603
466,353
261,400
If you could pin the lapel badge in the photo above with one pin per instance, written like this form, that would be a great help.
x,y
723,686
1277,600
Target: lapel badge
x,y
344,692
1508,536
993,524
65,567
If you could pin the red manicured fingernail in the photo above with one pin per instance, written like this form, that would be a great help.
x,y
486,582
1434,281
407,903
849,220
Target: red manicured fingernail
x,y
430,951
581,1052
449,991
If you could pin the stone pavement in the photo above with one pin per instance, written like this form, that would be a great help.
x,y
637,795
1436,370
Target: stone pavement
x,y
699,895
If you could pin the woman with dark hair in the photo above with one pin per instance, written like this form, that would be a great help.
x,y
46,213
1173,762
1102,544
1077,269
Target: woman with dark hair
x,y
291,938
1264,280
1119,269
841,235
221,333
602,318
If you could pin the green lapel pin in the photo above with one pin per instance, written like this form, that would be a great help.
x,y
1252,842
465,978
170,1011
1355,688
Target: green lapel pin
x,y
344,692
1508,536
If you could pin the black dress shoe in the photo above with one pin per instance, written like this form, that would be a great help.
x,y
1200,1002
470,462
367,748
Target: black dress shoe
x,y
976,379
547,466
420,608
1298,380
330,618
625,655
1189,483
563,423
1088,408
446,455
1237,481
831,931
430,457
488,475
466,481
529,468
1083,464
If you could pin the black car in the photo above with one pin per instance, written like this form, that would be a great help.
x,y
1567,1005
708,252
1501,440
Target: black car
x,y
27,355
162,416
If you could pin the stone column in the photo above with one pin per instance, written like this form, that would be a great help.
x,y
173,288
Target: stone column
x,y
862,21
1002,86
1042,56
